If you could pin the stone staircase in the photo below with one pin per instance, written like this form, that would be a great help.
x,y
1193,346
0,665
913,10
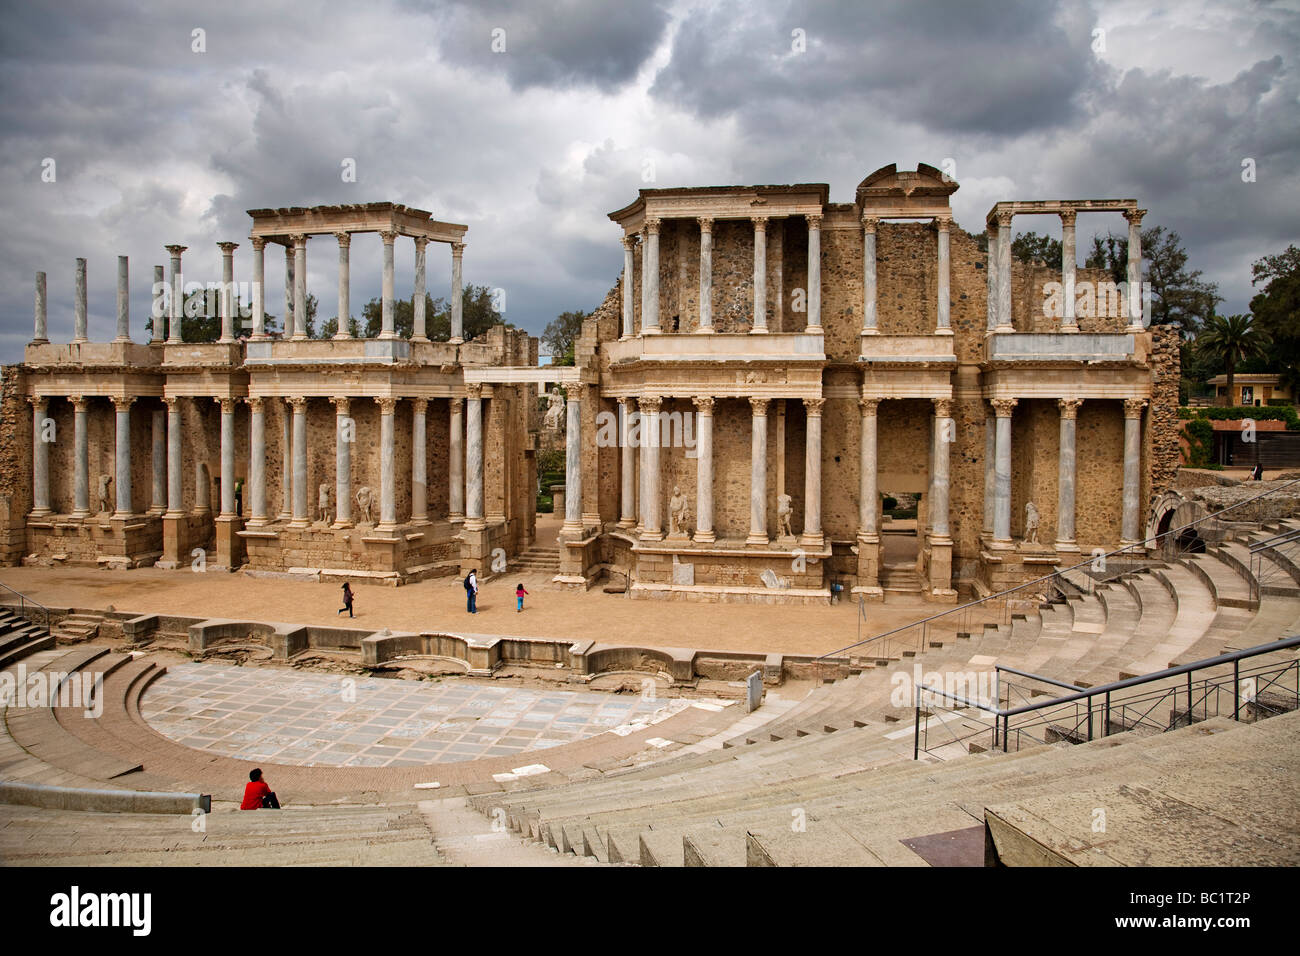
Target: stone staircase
x,y
19,637
539,559
77,627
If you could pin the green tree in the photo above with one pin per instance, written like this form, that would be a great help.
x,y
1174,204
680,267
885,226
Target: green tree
x,y
1031,247
1178,296
1277,310
478,314
561,334
1231,340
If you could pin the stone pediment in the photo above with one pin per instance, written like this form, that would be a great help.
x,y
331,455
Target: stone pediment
x,y
895,190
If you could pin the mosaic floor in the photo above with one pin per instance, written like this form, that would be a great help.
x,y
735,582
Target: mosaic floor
x,y
326,720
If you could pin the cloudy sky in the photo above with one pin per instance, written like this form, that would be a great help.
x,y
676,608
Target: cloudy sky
x,y
154,141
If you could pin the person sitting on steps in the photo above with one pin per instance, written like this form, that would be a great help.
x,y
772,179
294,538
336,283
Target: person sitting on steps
x,y
257,795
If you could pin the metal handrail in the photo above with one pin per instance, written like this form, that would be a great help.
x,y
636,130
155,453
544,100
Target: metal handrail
x,y
1002,595
24,601
1038,677
1285,537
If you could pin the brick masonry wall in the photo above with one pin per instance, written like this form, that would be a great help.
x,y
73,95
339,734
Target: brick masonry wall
x,y
15,465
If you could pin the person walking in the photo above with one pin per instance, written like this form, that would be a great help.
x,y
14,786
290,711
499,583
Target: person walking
x,y
519,597
347,599
471,591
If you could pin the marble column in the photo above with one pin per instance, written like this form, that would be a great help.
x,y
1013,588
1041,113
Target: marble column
x,y
156,302
79,303
387,328
228,456
651,529
706,274
123,300
760,274
456,462
387,463
1004,272
758,474
943,293
814,275
1132,469
344,436
344,331
418,333
419,460
1002,473
257,461
286,462
122,462
944,432
178,295
704,533
869,225
259,288
41,333
627,466
300,287
573,463
629,245
202,488
457,297
1069,267
868,470
1135,317
650,278
80,459
158,436
474,457
40,457
290,320
812,536
1065,476
227,291
992,274
990,474
175,478
301,516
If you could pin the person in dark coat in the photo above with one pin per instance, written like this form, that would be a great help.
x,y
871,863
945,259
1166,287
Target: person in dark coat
x,y
347,599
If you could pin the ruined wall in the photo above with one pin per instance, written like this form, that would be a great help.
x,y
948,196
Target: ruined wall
x,y
1162,455
15,465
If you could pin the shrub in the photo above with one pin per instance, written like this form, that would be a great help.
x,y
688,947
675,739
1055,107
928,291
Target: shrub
x,y
1262,413
1200,442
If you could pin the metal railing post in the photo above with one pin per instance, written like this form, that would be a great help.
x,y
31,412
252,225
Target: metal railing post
x,y
916,728
1236,690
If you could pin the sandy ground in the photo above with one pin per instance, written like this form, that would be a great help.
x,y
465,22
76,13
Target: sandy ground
x,y
440,604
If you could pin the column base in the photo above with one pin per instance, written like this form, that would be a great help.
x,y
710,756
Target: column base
x,y
1070,328
705,330
387,336
705,537
571,529
871,331
420,338
817,540
341,336
302,337
39,513
870,594
627,523
652,330
455,340
80,513
1005,330
943,330
756,540
648,535
255,337
1066,547
299,523
338,525
456,517
758,330
1001,544
475,524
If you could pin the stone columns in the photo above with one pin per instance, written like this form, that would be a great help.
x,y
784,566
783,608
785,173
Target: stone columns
x,y
627,466
122,463
290,322
868,501
123,301
175,480
758,474
943,440
1002,473
344,436
573,463
945,297
286,463
301,516
1069,267
869,225
202,489
992,274
1132,468
158,333
1004,273
178,295
387,328
387,461
1135,318
81,459
79,304
227,292
259,288
228,457
457,305
418,333
40,456
345,279
760,277
651,529
257,461
706,274
158,433
1065,476
650,279
41,333
990,475
456,463
704,533
474,458
812,477
299,287
629,244
814,276
419,459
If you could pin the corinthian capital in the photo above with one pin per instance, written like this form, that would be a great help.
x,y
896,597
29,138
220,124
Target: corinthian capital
x,y
1002,406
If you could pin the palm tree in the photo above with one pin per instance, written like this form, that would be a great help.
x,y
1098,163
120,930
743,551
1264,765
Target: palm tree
x,y
1231,340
